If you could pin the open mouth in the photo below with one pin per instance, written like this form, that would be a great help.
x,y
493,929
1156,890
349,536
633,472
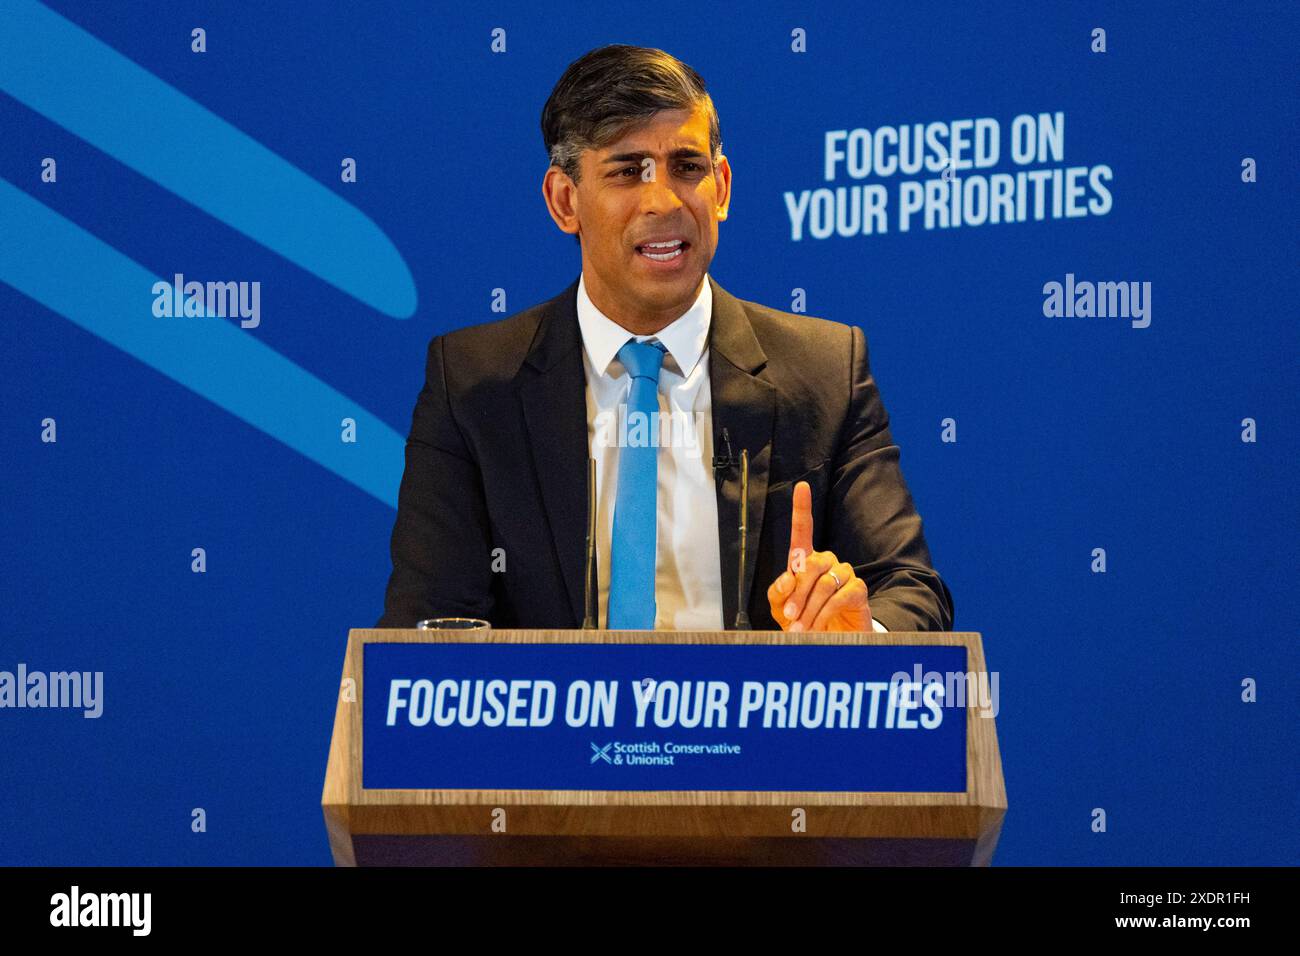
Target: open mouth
x,y
663,251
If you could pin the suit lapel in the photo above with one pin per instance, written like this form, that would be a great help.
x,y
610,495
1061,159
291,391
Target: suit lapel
x,y
745,406
552,390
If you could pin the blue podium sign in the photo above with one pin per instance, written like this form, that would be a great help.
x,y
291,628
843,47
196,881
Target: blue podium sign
x,y
788,717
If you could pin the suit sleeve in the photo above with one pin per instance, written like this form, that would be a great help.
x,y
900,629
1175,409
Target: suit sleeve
x,y
874,523
441,539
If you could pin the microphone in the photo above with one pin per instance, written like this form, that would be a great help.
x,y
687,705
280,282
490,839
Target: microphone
x,y
742,616
728,461
588,587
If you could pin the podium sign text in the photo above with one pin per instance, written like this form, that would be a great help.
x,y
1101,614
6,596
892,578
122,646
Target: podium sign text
x,y
721,717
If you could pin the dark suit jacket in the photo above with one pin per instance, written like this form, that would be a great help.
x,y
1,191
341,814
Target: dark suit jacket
x,y
497,458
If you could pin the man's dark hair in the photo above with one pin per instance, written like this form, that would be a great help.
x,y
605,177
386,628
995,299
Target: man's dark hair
x,y
608,91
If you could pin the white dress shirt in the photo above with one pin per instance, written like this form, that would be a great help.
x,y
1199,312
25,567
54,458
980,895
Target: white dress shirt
x,y
688,565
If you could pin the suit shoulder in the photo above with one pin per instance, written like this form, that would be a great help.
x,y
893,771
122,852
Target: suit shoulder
x,y
491,351
795,329
498,338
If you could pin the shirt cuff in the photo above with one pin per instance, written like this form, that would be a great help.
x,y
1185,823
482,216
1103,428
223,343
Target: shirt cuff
x,y
879,628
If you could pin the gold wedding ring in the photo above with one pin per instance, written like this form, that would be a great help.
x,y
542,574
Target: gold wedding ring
x,y
838,583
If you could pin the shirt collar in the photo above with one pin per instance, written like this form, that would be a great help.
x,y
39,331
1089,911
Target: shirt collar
x,y
684,338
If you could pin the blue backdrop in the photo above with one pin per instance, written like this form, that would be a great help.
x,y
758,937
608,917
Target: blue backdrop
x,y
1119,690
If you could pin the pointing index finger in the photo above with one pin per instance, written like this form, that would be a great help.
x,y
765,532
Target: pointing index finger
x,y
801,525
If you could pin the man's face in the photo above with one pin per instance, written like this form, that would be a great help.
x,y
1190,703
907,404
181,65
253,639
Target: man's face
x,y
654,185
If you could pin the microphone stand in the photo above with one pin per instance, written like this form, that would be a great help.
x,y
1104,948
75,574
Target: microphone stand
x,y
588,591
742,616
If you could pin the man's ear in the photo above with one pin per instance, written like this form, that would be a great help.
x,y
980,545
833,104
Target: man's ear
x,y
561,196
722,176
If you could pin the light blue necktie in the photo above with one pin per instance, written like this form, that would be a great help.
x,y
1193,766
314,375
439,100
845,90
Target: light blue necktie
x,y
632,551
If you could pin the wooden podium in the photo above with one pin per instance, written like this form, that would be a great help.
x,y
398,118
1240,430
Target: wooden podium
x,y
655,827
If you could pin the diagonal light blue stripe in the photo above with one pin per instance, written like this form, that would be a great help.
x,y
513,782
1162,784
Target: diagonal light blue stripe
x,y
79,276
66,74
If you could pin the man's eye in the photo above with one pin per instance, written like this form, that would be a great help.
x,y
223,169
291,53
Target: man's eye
x,y
684,167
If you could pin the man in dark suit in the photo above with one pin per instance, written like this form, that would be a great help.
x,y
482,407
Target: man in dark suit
x,y
492,510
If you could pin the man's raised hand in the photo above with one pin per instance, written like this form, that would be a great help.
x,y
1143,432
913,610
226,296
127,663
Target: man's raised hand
x,y
817,591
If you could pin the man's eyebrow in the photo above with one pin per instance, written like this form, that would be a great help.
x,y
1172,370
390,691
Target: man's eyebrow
x,y
683,152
